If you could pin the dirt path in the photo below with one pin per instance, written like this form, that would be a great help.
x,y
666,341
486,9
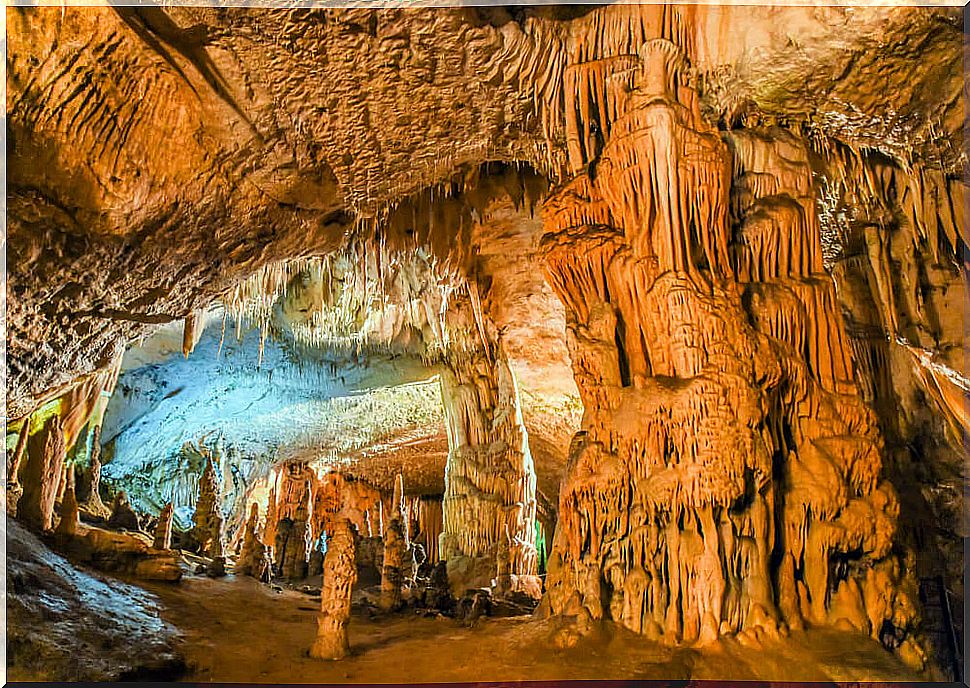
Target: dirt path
x,y
236,630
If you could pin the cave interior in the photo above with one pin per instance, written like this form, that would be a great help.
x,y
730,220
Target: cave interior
x,y
485,343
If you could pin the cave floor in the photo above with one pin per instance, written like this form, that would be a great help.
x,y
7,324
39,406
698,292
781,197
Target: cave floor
x,y
237,630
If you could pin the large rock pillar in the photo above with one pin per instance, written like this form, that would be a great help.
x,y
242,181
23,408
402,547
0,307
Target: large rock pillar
x,y
41,476
490,481
339,576
726,465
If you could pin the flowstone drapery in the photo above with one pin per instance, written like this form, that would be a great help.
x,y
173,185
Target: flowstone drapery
x,y
727,478
490,482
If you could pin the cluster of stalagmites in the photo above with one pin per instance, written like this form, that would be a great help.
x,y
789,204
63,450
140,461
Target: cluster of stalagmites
x,y
727,479
53,492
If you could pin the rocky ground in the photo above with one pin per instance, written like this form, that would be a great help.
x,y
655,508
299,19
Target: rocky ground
x,y
236,629
70,624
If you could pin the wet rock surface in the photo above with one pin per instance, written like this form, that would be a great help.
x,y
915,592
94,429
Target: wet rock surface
x,y
68,624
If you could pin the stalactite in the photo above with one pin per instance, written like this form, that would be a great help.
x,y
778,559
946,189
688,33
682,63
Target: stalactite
x,y
163,529
430,525
339,576
191,332
41,475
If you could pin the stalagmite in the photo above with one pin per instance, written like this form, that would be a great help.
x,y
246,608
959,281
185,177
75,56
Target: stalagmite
x,y
294,555
67,526
122,515
253,552
339,576
269,529
395,548
503,567
716,456
207,519
91,479
41,475
163,530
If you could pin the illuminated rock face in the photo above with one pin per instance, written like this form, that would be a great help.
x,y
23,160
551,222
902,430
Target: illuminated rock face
x,y
727,478
490,481
42,475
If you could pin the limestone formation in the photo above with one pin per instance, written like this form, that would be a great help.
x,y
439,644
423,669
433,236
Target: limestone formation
x,y
336,493
339,576
15,459
67,526
395,549
430,521
207,519
295,548
503,567
123,517
41,475
90,483
683,283
489,478
714,459
163,529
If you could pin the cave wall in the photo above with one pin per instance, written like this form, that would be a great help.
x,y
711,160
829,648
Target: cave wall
x,y
729,476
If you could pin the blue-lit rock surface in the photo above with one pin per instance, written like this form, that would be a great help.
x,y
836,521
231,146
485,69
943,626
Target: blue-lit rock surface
x,y
340,410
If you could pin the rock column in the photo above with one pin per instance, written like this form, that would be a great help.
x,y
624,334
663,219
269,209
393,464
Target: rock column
x,y
163,530
395,549
339,576
490,481
726,461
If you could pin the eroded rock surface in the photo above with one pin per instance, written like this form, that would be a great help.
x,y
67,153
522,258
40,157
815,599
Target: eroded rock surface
x,y
68,624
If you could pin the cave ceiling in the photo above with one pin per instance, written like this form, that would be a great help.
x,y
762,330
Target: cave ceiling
x,y
160,160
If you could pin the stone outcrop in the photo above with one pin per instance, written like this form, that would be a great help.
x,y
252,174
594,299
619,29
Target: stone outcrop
x,y
55,611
